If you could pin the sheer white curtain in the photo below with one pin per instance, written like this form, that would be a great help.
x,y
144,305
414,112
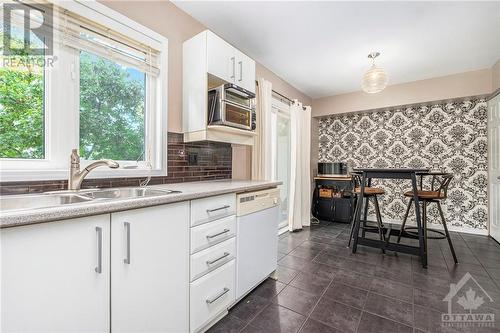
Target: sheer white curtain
x,y
300,171
262,149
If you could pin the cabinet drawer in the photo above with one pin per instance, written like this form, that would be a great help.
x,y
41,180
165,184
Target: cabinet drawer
x,y
212,208
212,233
212,258
211,295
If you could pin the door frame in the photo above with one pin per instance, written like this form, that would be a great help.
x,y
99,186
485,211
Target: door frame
x,y
493,164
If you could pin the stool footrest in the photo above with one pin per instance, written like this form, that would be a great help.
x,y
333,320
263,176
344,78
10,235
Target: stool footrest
x,y
441,234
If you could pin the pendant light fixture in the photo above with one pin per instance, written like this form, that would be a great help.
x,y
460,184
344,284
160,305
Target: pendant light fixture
x,y
375,79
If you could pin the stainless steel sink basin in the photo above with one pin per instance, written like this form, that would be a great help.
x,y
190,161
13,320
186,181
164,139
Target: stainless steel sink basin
x,y
22,202
55,199
126,193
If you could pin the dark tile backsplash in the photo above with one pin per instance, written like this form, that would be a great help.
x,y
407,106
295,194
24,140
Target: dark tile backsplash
x,y
187,162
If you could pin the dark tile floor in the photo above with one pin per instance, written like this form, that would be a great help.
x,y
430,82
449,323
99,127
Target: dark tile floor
x,y
323,287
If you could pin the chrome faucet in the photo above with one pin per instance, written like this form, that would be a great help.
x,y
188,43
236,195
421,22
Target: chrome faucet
x,y
76,176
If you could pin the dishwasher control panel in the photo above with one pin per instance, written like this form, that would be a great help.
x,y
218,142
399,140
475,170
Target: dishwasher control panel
x,y
247,203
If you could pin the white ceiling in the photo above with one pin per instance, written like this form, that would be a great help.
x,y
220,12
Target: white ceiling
x,y
321,47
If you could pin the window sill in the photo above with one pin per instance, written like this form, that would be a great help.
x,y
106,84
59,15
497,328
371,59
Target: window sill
x,y
38,175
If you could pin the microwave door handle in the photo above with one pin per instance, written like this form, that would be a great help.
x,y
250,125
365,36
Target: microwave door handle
x,y
222,112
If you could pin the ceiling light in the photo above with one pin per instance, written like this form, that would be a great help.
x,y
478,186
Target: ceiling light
x,y
375,79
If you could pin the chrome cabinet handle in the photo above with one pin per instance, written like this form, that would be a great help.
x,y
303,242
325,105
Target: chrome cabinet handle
x,y
216,209
222,293
219,233
127,229
213,261
241,70
98,268
234,68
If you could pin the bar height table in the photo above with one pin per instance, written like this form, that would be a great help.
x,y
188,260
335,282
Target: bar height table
x,y
390,173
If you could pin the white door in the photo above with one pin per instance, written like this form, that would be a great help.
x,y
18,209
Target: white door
x,y
494,165
221,60
150,272
51,281
245,71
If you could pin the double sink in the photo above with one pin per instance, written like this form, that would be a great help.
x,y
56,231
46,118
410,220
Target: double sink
x,y
61,198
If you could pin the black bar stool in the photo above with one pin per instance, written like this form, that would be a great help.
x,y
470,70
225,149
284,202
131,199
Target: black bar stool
x,y
370,193
435,195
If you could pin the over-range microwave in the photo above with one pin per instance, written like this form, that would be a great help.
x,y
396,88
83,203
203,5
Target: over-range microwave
x,y
233,106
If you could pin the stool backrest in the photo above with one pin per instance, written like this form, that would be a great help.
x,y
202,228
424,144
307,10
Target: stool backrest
x,y
440,183
357,177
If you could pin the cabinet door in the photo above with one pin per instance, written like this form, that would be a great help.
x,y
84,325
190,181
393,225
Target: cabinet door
x,y
51,280
342,210
221,60
150,266
245,71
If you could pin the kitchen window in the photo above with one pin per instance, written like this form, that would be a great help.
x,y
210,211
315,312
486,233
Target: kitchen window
x,y
112,109
22,108
99,92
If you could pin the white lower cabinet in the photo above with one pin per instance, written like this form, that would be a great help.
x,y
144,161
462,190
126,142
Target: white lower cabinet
x,y
211,295
55,276
121,272
150,269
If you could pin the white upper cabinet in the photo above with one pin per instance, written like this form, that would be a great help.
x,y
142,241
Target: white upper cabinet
x,y
245,71
55,276
208,62
150,269
228,63
221,58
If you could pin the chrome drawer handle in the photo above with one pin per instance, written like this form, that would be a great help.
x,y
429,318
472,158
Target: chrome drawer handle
x,y
216,209
211,262
219,233
222,293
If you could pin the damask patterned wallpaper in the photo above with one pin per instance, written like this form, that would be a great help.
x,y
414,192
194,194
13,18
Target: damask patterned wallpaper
x,y
449,137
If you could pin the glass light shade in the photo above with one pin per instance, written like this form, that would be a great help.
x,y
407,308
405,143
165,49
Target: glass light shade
x,y
375,80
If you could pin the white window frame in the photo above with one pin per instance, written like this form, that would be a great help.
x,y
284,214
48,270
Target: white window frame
x,y
61,127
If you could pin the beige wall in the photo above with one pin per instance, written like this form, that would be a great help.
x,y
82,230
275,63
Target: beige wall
x,y
447,87
473,83
242,162
280,85
496,76
171,22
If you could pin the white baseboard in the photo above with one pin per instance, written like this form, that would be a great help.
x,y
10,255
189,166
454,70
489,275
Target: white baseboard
x,y
282,230
464,229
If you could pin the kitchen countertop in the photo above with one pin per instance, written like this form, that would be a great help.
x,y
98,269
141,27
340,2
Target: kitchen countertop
x,y
189,191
